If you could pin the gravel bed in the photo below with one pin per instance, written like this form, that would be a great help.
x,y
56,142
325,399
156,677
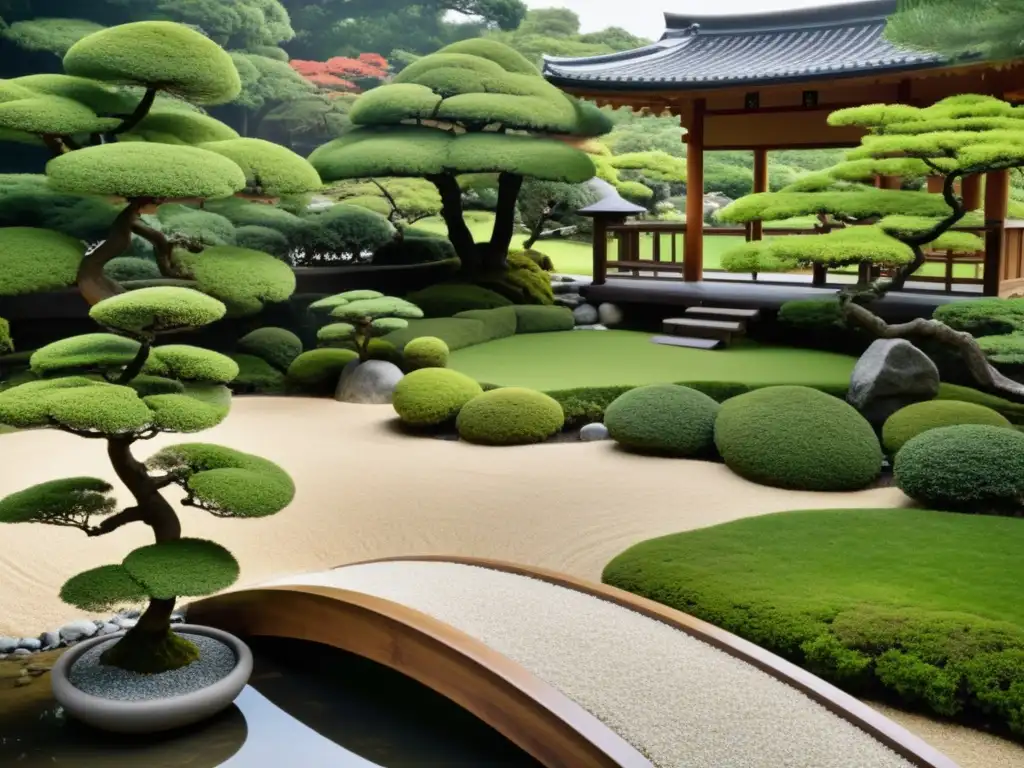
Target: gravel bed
x,y
678,700
215,663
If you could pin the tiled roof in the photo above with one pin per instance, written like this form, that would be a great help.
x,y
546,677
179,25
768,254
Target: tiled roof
x,y
757,49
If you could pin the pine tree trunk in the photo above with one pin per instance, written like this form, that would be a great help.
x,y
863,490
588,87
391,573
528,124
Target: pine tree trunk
x,y
93,284
496,251
458,232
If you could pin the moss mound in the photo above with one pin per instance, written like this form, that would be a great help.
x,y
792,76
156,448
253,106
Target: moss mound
x,y
664,419
433,396
426,352
966,468
256,376
37,260
318,370
798,438
510,416
911,421
277,346
918,607
538,319
448,299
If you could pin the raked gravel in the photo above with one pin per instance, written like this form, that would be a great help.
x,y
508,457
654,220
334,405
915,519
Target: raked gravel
x,y
215,662
678,700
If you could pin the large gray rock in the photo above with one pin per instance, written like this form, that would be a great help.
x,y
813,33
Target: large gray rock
x,y
8,644
77,630
890,375
585,314
369,383
609,314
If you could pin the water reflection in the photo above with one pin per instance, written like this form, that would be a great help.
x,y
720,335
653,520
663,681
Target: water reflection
x,y
307,705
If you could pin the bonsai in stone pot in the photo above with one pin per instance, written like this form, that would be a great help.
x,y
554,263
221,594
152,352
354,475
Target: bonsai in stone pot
x,y
119,387
362,317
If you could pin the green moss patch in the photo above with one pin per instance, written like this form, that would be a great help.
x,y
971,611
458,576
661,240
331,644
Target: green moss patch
x,y
917,607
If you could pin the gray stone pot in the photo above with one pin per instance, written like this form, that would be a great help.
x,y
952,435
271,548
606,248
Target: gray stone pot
x,y
155,714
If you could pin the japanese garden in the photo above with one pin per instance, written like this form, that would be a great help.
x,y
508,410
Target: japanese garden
x,y
464,382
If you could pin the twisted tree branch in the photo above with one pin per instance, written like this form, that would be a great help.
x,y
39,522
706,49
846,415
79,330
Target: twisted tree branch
x,y
112,523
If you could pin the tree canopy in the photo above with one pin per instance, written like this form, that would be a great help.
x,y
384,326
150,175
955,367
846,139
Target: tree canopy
x,y
990,28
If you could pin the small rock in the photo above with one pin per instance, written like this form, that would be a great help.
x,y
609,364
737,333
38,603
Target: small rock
x,y
78,630
610,314
566,286
178,617
108,629
22,652
570,300
594,432
21,682
38,669
124,622
99,623
8,644
30,643
590,328
49,640
369,383
134,613
585,314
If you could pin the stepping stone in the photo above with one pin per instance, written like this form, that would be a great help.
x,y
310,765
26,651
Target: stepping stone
x,y
723,313
704,329
687,341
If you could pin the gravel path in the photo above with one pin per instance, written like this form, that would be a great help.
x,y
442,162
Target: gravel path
x,y
680,701
215,663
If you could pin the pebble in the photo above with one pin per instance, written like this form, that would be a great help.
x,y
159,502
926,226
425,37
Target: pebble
x,y
124,622
49,640
594,432
22,652
23,681
108,629
30,644
8,644
585,314
571,300
78,630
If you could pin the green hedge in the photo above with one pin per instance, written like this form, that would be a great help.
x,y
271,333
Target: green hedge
x,y
798,438
498,323
967,468
538,319
510,416
448,299
432,396
414,250
663,419
457,333
911,421
919,608
983,317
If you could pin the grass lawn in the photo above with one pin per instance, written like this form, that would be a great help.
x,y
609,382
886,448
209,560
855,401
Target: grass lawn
x,y
922,608
576,258
549,361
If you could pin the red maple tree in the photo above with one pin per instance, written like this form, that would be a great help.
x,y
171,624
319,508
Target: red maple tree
x,y
339,73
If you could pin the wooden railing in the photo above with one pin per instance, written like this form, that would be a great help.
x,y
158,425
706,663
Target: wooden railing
x,y
626,255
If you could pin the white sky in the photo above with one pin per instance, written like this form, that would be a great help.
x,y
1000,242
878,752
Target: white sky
x,y
647,17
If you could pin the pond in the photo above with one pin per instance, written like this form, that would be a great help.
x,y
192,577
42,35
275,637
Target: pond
x,y
306,704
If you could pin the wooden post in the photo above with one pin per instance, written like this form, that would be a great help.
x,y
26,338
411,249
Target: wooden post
x,y
935,184
693,252
997,195
760,185
601,246
890,182
970,191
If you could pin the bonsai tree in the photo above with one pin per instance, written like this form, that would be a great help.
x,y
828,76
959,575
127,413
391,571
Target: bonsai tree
x,y
118,387
956,137
474,107
402,201
128,154
362,316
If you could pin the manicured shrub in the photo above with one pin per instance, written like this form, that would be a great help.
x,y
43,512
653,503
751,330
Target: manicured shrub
x,y
318,370
523,281
983,317
663,419
244,280
448,299
812,315
542,260
127,268
256,376
510,416
457,333
799,438
265,239
499,323
533,319
433,396
414,250
426,352
965,468
911,421
1005,350
382,349
277,346
341,232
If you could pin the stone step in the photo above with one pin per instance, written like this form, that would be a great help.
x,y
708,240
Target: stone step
x,y
688,341
704,329
723,313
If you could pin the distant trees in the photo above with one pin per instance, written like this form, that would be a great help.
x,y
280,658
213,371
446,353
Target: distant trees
x,y
992,28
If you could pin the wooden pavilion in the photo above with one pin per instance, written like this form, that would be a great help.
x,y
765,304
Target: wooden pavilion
x,y
769,81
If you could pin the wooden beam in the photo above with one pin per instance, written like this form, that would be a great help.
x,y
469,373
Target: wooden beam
x,y
890,182
970,191
693,251
760,185
997,196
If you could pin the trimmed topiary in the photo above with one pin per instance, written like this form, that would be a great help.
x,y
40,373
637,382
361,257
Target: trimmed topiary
x,y
510,416
433,396
983,317
37,260
911,421
966,468
449,299
318,370
244,280
181,391
414,250
426,352
1005,350
537,319
278,346
663,419
176,126
812,314
256,376
269,168
798,438
128,268
524,282
457,333
265,239
362,317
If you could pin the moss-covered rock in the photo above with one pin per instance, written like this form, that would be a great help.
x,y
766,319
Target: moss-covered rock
x,y
318,370
537,319
426,352
278,346
510,416
798,438
449,299
433,396
909,422
663,419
